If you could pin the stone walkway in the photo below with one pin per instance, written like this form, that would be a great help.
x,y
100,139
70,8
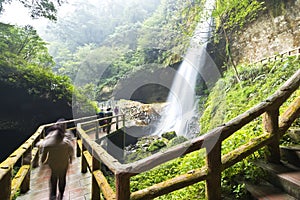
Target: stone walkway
x,y
78,185
77,188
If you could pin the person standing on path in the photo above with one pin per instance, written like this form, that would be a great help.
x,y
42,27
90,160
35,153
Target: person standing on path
x,y
108,113
57,152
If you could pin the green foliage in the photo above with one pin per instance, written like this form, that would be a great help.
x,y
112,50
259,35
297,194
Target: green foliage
x,y
39,82
235,14
23,45
176,140
39,8
155,146
26,64
231,16
166,35
169,170
101,23
228,99
121,39
28,86
169,135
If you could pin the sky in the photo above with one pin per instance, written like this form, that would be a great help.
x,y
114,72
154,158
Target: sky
x,y
16,14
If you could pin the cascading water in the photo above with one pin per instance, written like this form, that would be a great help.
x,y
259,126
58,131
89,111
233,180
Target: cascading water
x,y
181,103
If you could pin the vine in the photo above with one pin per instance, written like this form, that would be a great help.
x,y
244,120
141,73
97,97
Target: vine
x,y
231,17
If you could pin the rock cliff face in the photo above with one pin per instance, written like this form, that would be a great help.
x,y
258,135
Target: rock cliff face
x,y
269,34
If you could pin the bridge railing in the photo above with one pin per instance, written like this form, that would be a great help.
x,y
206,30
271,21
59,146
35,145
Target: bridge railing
x,y
274,128
88,148
24,159
280,56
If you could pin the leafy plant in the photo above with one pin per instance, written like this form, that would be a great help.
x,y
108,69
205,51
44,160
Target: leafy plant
x,y
229,100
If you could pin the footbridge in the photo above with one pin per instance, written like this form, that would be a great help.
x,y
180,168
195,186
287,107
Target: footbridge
x,y
86,179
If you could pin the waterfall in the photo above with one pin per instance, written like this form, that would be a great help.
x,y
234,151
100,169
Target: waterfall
x,y
181,103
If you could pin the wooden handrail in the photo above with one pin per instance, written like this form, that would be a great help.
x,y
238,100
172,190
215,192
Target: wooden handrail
x,y
280,56
212,141
28,154
93,154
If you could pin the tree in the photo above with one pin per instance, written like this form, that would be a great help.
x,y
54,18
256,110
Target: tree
x,y
22,44
68,63
38,8
231,16
95,22
165,36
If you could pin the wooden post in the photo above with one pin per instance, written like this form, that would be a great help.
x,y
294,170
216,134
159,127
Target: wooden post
x,y
36,159
270,123
214,164
35,162
95,187
117,122
78,151
43,133
123,121
97,130
122,186
84,164
5,183
26,160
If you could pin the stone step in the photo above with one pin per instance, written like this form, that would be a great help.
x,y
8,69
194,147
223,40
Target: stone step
x,y
283,176
266,191
291,154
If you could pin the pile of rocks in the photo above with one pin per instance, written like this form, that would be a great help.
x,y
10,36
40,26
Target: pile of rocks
x,y
149,145
140,114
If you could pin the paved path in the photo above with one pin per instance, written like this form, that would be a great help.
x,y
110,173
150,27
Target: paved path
x,y
78,185
77,188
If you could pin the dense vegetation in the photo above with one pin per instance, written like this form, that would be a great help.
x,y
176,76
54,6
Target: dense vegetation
x,y
127,41
95,50
242,87
226,101
38,8
28,85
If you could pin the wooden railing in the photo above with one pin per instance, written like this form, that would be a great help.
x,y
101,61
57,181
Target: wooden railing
x,y
281,56
28,156
93,154
274,128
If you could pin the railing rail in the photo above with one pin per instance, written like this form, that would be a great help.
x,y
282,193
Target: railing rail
x,y
212,142
281,56
28,155
93,154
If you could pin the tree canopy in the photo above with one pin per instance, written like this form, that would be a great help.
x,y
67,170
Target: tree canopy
x,y
23,44
38,8
27,83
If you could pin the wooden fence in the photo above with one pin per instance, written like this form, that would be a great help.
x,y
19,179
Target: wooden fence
x,y
93,154
212,142
28,156
281,56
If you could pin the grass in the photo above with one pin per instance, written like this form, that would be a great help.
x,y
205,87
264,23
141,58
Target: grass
x,y
227,100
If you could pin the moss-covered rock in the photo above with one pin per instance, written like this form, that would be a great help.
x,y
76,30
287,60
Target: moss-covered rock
x,y
176,140
169,135
157,145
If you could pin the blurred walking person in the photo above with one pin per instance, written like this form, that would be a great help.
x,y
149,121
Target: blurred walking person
x,y
57,152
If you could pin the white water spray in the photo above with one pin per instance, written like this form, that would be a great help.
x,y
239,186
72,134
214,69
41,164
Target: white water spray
x,y
181,102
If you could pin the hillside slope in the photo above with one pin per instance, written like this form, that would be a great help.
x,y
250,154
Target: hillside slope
x,y
227,100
